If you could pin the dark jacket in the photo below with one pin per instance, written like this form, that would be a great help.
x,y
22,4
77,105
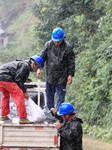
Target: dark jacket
x,y
71,135
15,71
60,62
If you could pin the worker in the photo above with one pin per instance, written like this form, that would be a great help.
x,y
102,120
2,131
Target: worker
x,y
71,129
60,67
12,78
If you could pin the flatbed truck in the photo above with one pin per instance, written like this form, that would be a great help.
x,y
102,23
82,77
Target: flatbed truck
x,y
41,136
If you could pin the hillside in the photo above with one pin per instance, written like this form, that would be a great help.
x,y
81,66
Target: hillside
x,y
10,10
17,23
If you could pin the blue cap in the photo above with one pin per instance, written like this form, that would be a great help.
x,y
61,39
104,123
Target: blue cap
x,y
58,34
65,108
38,59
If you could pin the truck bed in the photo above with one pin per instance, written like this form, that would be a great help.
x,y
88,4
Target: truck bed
x,y
39,136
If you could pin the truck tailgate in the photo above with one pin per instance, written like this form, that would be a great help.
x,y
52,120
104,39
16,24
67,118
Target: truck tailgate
x,y
28,136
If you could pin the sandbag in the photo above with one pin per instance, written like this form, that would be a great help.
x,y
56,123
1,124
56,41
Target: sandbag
x,y
36,113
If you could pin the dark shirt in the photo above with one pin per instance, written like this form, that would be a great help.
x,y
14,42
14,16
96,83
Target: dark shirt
x,y
60,62
15,71
71,135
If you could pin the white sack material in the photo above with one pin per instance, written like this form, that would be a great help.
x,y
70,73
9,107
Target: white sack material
x,y
37,114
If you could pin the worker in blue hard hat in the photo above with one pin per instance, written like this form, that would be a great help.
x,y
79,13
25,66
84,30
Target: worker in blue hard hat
x,y
13,75
59,57
71,130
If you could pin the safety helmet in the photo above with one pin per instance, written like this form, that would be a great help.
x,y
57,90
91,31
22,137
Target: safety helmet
x,y
65,108
58,34
38,59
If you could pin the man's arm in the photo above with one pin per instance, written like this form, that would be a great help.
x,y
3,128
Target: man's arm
x,y
44,55
71,66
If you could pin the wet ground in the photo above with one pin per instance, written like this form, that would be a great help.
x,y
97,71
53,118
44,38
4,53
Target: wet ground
x,y
91,144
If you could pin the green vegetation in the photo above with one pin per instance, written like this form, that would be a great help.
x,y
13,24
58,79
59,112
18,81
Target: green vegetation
x,y
88,27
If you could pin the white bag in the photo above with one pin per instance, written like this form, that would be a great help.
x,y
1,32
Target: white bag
x,y
37,114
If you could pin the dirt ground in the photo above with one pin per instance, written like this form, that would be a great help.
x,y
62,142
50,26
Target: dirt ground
x,y
92,144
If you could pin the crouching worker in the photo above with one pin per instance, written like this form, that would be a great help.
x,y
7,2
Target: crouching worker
x,y
71,130
12,78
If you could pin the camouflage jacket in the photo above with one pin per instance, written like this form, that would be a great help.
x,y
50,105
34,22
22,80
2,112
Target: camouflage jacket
x,y
71,135
60,62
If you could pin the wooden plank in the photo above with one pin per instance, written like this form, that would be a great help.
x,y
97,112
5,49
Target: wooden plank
x,y
19,128
28,139
29,144
18,133
28,125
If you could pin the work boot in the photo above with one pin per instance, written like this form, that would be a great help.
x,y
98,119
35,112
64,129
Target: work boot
x,y
25,121
3,118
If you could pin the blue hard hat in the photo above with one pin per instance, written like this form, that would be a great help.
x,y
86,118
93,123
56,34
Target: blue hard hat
x,y
58,34
38,59
65,108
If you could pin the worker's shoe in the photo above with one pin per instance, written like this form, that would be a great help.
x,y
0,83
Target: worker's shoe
x,y
25,121
3,118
